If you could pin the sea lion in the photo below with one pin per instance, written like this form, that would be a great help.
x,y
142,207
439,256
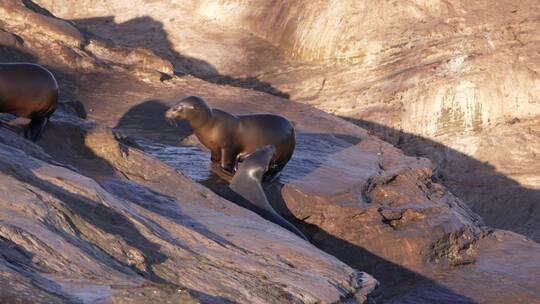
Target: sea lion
x,y
28,90
246,183
231,138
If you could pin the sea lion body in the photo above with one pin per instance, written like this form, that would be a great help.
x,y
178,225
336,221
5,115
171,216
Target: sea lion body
x,y
231,138
28,90
246,183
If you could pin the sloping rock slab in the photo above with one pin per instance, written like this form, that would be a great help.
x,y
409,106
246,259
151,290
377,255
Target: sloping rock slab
x,y
144,227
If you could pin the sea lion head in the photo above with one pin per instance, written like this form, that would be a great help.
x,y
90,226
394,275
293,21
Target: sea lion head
x,y
192,108
257,163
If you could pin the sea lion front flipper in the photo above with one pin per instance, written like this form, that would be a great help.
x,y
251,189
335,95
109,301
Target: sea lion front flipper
x,y
246,183
239,158
227,159
36,126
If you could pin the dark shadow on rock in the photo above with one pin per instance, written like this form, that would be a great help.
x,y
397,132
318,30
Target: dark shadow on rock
x,y
209,299
15,54
38,9
501,201
398,284
147,120
161,45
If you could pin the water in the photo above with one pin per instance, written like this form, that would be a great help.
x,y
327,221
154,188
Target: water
x,y
190,160
311,152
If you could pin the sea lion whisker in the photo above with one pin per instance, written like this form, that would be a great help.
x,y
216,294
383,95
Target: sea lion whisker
x,y
171,121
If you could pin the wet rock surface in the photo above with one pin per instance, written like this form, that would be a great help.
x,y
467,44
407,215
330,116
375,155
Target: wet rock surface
x,y
89,214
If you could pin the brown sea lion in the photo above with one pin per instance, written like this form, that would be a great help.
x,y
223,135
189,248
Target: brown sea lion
x,y
231,138
28,90
246,184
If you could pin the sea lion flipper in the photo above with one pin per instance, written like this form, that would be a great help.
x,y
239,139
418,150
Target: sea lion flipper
x,y
36,126
247,184
251,170
227,159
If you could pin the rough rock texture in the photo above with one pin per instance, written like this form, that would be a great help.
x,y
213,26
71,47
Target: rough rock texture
x,y
354,195
455,81
36,29
138,223
85,218
464,75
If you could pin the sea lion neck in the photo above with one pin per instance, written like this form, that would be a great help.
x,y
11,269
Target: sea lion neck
x,y
203,118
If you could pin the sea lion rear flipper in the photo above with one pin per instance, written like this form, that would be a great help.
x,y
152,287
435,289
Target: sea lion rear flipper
x,y
36,126
271,176
246,183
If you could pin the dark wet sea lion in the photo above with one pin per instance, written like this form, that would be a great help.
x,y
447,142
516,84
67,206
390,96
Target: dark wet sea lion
x,y
246,183
231,138
28,90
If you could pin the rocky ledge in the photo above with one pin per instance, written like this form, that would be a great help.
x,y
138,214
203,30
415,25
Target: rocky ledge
x,y
100,209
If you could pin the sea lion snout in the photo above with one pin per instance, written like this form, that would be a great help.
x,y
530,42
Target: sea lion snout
x,y
178,112
173,113
186,108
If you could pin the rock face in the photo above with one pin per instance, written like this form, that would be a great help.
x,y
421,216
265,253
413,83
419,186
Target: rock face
x,y
140,230
463,75
457,82
37,29
85,218
141,224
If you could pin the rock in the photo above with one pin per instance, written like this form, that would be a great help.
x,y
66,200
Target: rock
x,y
143,223
70,46
355,196
438,79
74,107
17,16
9,40
131,57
